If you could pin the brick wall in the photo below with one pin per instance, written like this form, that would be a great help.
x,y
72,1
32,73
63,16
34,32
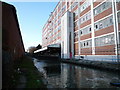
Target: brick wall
x,y
105,50
11,36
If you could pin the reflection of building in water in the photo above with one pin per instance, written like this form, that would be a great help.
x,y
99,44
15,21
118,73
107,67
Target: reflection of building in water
x,y
82,76
53,70
53,75
68,76
71,76
64,75
88,78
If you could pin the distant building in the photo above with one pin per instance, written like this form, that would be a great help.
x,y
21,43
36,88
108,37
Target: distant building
x,y
12,43
88,28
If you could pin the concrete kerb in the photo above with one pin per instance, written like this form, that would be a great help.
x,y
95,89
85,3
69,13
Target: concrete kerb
x,y
94,64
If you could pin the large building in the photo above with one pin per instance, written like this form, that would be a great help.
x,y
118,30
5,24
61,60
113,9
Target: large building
x,y
87,28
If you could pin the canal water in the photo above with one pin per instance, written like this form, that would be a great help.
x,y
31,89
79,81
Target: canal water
x,y
62,75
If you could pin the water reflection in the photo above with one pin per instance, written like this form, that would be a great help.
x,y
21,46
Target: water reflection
x,y
53,70
60,75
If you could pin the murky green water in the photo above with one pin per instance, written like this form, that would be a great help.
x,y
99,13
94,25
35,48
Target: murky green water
x,y
61,75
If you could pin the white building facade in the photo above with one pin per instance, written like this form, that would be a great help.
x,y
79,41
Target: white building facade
x,y
85,28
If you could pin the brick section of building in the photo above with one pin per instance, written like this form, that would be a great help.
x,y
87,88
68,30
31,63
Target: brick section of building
x,y
86,51
103,31
85,11
85,37
107,50
11,35
85,23
103,14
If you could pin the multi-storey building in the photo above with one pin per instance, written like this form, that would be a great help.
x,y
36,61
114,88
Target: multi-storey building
x,y
88,28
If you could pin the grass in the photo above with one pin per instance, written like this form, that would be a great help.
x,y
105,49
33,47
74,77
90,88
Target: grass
x,y
27,68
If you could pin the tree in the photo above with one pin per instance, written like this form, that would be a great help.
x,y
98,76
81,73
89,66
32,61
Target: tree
x,y
31,49
39,46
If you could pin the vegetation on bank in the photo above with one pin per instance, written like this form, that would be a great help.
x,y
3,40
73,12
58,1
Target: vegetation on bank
x,y
25,67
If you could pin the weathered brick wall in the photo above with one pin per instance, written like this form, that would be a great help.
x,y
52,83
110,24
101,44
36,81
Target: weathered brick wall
x,y
103,14
86,36
11,36
106,30
12,44
97,2
105,50
76,49
85,11
86,51
85,23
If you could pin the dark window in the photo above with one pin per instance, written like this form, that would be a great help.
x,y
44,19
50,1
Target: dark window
x,y
104,6
84,43
81,32
87,43
83,19
111,21
96,26
90,29
119,36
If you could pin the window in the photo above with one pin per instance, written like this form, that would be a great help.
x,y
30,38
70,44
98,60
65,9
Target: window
x,y
117,1
85,31
79,9
74,5
59,21
76,24
94,0
86,17
90,29
86,44
76,12
63,9
111,21
102,7
76,35
104,23
105,40
119,37
100,26
96,26
59,28
118,17
85,5
59,6
59,14
81,32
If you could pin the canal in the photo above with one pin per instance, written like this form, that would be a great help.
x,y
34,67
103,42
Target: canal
x,y
62,75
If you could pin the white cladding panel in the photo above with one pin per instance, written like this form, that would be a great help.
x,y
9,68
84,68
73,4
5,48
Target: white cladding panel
x,y
67,27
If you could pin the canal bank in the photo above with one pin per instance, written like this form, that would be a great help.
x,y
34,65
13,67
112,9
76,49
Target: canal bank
x,y
26,75
102,65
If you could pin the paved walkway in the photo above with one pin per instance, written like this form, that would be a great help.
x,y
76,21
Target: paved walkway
x,y
111,66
